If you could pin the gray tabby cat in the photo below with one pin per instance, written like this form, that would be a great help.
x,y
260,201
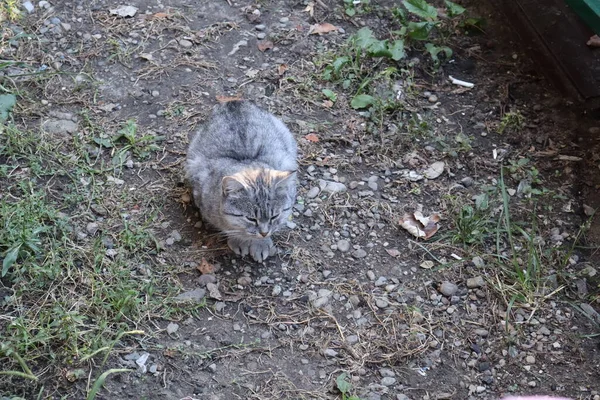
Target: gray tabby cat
x,y
241,165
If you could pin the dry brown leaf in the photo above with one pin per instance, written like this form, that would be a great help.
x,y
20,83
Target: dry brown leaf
x,y
227,99
594,41
161,15
205,267
282,68
327,103
393,252
320,29
310,8
264,45
420,226
213,291
311,137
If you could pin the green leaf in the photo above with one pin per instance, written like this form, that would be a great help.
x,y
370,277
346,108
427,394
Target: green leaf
x,y
105,142
362,101
350,11
397,50
421,8
339,63
9,259
330,94
419,30
7,102
454,9
400,14
342,384
364,38
379,48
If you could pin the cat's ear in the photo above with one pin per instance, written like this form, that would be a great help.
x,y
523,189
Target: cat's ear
x,y
283,178
231,184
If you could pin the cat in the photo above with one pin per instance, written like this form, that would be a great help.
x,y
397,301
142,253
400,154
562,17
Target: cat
x,y
241,165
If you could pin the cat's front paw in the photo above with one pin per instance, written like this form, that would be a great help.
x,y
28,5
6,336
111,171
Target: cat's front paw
x,y
261,249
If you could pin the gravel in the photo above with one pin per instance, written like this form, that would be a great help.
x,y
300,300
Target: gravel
x,y
448,289
476,282
359,253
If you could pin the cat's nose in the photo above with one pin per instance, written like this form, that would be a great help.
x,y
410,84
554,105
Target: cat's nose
x,y
264,234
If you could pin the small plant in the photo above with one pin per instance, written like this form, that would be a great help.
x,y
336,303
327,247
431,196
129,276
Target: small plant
x,y
512,121
140,146
353,7
473,223
345,387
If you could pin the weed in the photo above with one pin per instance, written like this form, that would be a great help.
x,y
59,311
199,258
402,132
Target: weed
x,y
512,121
127,141
345,387
353,7
9,10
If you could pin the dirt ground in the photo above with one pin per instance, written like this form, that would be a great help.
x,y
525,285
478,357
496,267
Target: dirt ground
x,y
350,292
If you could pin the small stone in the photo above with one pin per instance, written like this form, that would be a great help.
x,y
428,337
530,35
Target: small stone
x,y
382,280
155,93
260,27
386,372
111,253
65,26
467,181
28,6
388,381
330,353
482,332
205,279
478,262
594,130
352,339
476,282
313,192
172,328
261,35
212,367
176,236
380,303
371,275
532,384
530,360
61,126
244,281
432,99
402,397
153,368
284,20
326,273
92,228
333,187
480,389
170,241
185,43
44,4
276,291
448,289
360,253
194,295
343,245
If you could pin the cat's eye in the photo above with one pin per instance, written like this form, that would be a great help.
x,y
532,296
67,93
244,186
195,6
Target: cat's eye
x,y
253,220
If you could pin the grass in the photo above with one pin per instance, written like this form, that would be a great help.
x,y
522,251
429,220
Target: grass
x,y
71,296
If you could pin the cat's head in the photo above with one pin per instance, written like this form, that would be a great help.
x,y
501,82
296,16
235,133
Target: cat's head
x,y
257,202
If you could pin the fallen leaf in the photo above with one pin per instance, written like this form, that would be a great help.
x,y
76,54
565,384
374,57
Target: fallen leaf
x,y
227,99
205,267
310,8
264,45
327,103
420,226
594,41
427,264
434,170
213,291
124,11
251,73
393,252
161,15
320,29
311,137
282,68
